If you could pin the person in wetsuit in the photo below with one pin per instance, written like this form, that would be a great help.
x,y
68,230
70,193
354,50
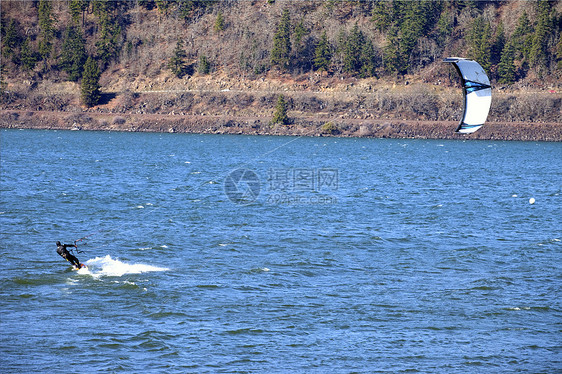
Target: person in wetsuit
x,y
61,250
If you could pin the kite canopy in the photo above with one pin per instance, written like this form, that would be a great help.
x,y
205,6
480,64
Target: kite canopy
x,y
477,94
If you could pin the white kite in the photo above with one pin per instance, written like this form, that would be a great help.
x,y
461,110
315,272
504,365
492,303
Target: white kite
x,y
477,94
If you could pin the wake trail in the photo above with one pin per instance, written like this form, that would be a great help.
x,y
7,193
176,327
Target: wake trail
x,y
109,267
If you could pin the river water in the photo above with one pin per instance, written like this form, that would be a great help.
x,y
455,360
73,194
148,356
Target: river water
x,y
211,253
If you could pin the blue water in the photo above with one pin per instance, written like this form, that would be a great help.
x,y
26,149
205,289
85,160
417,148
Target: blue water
x,y
211,253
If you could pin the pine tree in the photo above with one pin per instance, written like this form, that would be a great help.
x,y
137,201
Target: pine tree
x,y
46,28
73,54
203,65
77,8
382,15
219,23
177,62
11,39
322,54
391,57
107,46
538,54
522,37
300,33
444,28
280,114
28,57
90,87
281,51
352,51
498,44
480,42
506,68
368,64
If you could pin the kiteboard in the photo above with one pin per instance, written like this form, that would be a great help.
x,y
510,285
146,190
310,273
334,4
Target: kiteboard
x,y
82,266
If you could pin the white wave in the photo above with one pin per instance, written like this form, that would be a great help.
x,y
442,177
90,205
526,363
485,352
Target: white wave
x,y
107,266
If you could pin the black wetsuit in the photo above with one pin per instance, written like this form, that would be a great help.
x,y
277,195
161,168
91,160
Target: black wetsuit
x,y
61,250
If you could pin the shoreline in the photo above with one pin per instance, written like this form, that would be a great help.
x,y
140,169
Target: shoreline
x,y
300,126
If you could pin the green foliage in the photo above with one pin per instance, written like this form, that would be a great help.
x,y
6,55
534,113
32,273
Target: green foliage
x,y
281,51
280,114
352,50
11,39
107,45
77,8
300,33
391,56
358,54
538,54
322,54
405,23
498,44
480,42
189,8
73,55
444,28
506,67
203,65
46,28
219,23
90,87
382,15
28,56
177,63
330,128
522,37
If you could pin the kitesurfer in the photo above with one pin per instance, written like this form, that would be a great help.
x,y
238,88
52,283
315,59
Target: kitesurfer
x,y
61,250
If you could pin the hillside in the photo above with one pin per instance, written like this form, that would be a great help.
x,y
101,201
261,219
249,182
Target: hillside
x,y
341,60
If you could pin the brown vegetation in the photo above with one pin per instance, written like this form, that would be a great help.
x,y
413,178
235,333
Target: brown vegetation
x,y
243,85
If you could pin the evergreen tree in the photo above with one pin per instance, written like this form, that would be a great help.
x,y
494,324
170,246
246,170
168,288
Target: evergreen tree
x,y
391,58
322,54
73,54
352,51
46,28
219,22
538,54
177,62
522,37
90,87
28,57
498,44
480,43
203,66
107,46
300,33
382,15
77,8
280,114
281,51
506,67
368,64
444,28
11,39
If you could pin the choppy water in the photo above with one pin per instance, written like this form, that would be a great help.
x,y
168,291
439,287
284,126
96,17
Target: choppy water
x,y
317,255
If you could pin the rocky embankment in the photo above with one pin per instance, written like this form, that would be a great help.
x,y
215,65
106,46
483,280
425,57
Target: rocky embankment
x,y
300,126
